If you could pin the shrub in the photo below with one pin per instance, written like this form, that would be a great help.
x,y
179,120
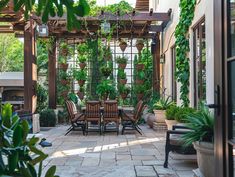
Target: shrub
x,y
62,116
47,118
182,114
42,96
171,112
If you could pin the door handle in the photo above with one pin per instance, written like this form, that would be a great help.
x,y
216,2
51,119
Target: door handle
x,y
216,105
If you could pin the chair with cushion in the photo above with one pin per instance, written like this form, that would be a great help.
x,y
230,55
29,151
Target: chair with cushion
x,y
110,114
76,118
92,115
130,120
175,143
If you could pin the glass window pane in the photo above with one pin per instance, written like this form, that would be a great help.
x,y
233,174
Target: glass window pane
x,y
232,28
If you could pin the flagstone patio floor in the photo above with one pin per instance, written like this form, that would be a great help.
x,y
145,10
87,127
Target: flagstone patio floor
x,y
109,155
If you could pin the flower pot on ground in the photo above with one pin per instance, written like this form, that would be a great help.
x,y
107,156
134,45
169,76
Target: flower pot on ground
x,y
122,45
122,62
170,116
139,45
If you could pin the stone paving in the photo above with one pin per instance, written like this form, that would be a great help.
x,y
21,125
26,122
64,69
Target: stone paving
x,y
109,155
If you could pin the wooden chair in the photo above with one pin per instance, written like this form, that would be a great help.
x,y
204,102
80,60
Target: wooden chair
x,y
76,118
130,120
175,143
110,114
92,114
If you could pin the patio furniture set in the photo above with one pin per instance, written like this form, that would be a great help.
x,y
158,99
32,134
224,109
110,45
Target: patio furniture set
x,y
105,118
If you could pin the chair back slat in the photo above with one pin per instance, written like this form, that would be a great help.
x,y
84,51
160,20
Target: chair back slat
x,y
138,111
71,108
110,109
92,109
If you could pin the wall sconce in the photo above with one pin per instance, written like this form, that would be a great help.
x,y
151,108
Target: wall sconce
x,y
162,59
43,30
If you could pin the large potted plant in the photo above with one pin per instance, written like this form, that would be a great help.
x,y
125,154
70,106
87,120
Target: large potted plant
x,y
80,76
201,124
160,109
82,61
122,62
170,116
122,45
122,76
104,89
124,90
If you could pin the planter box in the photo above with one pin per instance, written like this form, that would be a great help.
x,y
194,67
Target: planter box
x,y
36,123
170,124
160,116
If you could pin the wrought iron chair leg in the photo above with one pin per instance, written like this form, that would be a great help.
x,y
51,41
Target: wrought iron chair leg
x,y
123,129
71,128
138,130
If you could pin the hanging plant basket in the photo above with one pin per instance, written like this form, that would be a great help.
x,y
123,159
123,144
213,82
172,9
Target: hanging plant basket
x,y
82,65
124,96
64,66
123,81
123,46
81,82
64,82
64,94
81,95
64,52
140,96
122,65
140,67
139,46
108,56
139,81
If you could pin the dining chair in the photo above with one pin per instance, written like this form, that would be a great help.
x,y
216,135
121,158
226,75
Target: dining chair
x,y
92,114
110,114
130,120
75,117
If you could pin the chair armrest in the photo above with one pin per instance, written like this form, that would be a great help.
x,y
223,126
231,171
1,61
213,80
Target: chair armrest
x,y
180,127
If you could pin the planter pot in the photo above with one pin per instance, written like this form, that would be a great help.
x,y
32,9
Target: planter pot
x,y
139,82
205,158
82,65
124,96
123,81
122,66
140,67
81,95
64,82
123,46
81,82
170,123
140,96
139,46
150,120
160,116
64,52
64,66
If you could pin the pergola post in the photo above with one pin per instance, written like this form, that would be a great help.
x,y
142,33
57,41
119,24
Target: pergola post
x,y
156,65
52,74
30,67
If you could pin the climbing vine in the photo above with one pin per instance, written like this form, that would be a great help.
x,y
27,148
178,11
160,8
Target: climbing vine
x,y
187,8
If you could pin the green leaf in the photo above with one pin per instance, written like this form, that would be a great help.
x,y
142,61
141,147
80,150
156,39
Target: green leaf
x,y
51,172
17,136
13,160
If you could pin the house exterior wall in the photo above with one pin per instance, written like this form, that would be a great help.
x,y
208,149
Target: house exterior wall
x,y
203,10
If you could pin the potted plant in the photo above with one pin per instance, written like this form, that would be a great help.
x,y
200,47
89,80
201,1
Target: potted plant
x,y
106,70
160,109
140,78
122,61
122,76
170,116
82,59
201,135
104,89
139,44
124,91
64,90
81,93
140,65
82,48
122,45
107,53
64,50
182,114
64,78
139,91
80,76
63,63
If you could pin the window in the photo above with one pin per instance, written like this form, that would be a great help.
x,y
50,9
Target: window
x,y
199,38
173,80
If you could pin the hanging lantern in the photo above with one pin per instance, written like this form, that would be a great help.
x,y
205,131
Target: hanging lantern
x,y
105,27
43,30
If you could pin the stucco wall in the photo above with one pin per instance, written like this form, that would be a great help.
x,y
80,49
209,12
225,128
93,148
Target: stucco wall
x,y
203,9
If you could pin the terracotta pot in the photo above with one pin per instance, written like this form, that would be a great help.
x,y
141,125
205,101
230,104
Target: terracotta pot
x,y
139,82
82,65
140,67
124,96
139,46
205,158
81,82
64,82
170,123
140,96
123,46
64,52
160,116
123,81
64,66
122,65
81,95
64,94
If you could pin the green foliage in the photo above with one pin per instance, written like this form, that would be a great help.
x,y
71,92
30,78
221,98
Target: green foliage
x,y
124,89
82,48
42,96
163,104
182,47
42,55
44,9
106,70
182,113
62,116
122,59
80,75
153,99
62,59
47,118
140,89
64,75
202,125
141,75
121,74
105,88
82,58
73,97
171,112
18,153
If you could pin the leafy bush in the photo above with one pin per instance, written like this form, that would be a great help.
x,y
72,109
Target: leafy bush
x,y
47,118
62,116
19,154
163,104
80,75
42,96
122,60
124,89
182,114
171,112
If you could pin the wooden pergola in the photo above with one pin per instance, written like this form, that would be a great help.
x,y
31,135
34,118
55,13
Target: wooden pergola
x,y
136,25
